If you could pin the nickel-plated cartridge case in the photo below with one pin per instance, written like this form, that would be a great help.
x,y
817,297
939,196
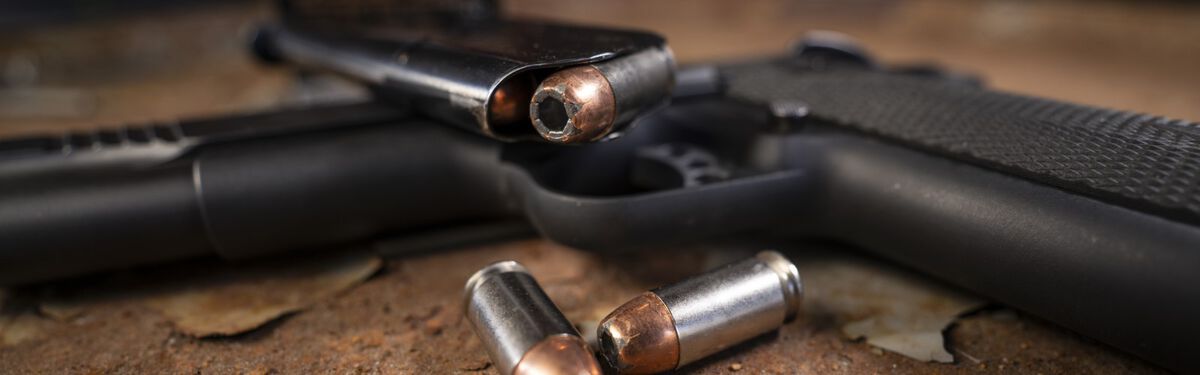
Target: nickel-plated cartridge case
x,y
523,331
677,324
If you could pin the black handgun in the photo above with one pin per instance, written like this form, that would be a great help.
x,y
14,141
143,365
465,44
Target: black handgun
x,y
1086,216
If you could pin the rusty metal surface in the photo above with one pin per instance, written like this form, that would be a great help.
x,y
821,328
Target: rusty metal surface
x,y
408,319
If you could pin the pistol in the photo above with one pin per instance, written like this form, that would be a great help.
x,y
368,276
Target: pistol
x,y
1086,216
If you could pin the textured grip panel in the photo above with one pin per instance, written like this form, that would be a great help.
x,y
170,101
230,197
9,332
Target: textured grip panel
x,y
1139,161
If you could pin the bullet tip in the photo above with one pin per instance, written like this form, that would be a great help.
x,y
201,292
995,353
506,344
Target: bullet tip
x,y
639,337
560,354
573,105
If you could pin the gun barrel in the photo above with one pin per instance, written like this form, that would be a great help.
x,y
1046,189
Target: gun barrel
x,y
243,199
483,81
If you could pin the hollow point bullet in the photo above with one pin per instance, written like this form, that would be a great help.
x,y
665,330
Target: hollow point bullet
x,y
677,324
522,330
574,105
590,102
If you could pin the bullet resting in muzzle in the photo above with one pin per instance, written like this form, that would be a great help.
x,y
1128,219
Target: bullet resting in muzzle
x,y
490,88
591,102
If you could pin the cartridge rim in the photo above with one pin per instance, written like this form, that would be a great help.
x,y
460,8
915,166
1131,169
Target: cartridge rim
x,y
483,273
789,281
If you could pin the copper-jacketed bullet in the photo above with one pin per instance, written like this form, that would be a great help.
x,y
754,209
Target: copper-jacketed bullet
x,y
522,330
591,102
677,324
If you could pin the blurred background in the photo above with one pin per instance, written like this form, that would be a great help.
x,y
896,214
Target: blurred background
x,y
69,64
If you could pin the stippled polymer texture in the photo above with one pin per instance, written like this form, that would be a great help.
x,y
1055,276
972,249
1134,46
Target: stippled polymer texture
x,y
1143,162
